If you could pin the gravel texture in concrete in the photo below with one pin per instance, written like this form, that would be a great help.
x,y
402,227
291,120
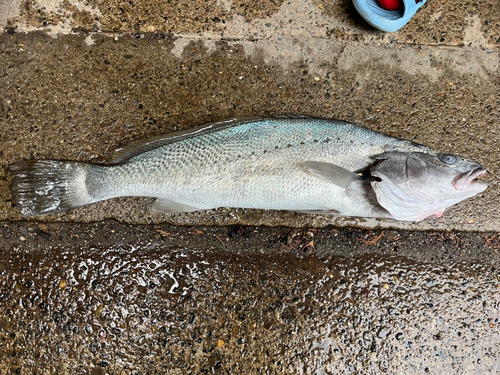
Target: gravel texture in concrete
x,y
118,299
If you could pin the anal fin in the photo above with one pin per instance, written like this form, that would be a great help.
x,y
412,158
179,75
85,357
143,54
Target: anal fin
x,y
170,206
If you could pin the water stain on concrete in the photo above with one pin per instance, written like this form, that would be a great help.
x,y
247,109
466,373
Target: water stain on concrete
x,y
435,63
8,10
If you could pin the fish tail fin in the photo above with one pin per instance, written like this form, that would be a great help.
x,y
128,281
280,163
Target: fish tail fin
x,y
45,187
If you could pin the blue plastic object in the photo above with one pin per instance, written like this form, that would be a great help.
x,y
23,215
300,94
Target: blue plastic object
x,y
387,20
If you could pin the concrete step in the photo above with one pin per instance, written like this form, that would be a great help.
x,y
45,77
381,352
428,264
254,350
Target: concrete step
x,y
81,80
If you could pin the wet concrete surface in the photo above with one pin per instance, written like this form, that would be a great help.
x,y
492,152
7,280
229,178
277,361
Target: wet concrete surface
x,y
111,298
82,79
65,99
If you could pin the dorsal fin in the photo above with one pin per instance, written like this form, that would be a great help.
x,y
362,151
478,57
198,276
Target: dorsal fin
x,y
297,116
148,144
285,116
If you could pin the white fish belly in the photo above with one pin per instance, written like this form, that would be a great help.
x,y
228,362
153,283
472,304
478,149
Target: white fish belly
x,y
270,183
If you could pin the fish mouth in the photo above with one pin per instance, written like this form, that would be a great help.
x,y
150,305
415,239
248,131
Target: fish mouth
x,y
464,180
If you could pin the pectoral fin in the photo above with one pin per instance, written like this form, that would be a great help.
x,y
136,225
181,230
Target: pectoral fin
x,y
170,206
331,172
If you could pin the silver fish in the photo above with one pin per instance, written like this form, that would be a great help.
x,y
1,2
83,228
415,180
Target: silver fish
x,y
295,163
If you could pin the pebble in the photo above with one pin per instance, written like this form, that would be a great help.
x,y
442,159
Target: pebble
x,y
62,283
98,312
88,329
220,343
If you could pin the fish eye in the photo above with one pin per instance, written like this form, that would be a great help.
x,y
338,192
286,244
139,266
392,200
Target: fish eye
x,y
448,159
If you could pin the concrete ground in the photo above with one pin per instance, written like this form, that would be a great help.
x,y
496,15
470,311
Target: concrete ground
x,y
89,292
80,79
112,298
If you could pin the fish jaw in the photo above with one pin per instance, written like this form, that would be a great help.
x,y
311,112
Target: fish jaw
x,y
467,180
403,204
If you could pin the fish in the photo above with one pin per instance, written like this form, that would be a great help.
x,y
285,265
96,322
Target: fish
x,y
291,162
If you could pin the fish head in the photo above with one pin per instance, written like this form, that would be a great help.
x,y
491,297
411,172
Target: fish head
x,y
415,186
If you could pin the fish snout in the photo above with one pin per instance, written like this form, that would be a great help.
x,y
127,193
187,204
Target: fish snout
x,y
464,180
